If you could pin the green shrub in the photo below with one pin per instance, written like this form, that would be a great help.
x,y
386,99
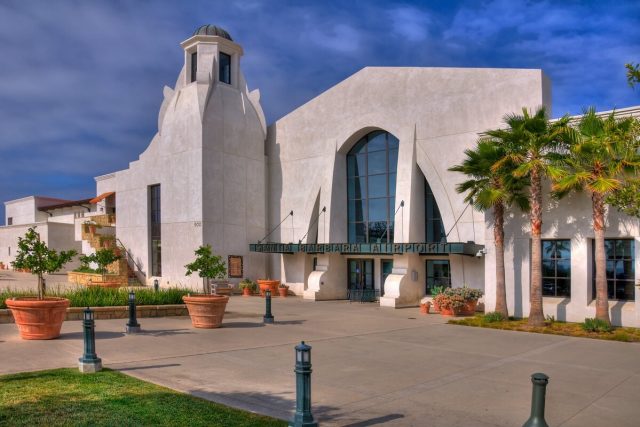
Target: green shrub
x,y
106,297
85,269
493,317
595,325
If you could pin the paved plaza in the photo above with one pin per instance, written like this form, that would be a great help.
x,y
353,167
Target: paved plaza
x,y
371,366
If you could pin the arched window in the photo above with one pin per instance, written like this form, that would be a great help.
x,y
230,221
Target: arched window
x,y
371,188
433,226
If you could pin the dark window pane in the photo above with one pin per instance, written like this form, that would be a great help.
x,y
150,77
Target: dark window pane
x,y
377,162
548,249
392,184
377,230
194,66
620,271
393,141
378,209
225,68
378,185
548,268
563,287
392,209
357,210
563,268
563,249
611,268
357,188
548,287
377,141
393,160
357,233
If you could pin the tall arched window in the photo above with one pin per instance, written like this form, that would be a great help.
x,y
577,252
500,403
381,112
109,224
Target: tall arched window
x,y
371,188
433,226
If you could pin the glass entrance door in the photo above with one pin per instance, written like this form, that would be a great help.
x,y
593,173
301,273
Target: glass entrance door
x,y
361,274
387,267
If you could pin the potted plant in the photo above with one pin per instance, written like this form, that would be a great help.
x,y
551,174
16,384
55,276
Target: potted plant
x,y
425,305
102,257
206,310
248,287
39,318
265,284
91,226
283,290
107,241
458,301
435,291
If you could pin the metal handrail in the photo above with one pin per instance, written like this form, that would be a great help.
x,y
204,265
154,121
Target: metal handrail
x,y
129,256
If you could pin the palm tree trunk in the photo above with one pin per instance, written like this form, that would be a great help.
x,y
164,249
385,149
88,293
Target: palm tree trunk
x,y
536,314
498,236
602,301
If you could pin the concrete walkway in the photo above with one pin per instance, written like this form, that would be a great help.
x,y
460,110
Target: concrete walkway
x,y
372,366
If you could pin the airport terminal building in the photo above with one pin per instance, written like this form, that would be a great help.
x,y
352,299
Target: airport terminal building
x,y
349,193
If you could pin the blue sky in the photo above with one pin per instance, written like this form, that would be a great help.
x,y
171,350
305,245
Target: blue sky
x,y
81,81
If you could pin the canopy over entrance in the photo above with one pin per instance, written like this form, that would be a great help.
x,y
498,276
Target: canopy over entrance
x,y
456,248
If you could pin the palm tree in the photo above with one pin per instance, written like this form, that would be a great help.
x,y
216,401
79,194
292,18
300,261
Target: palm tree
x,y
492,188
602,154
533,145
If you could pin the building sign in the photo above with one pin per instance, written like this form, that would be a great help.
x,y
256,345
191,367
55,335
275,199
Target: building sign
x,y
235,266
469,248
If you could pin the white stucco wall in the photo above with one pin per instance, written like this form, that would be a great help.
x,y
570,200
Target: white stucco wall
x,y
569,218
435,113
208,157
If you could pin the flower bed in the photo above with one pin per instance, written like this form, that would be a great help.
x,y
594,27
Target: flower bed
x,y
457,301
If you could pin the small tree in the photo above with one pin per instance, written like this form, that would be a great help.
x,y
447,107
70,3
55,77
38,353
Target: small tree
x,y
102,257
34,255
208,265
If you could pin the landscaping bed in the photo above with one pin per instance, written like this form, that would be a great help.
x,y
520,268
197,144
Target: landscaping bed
x,y
551,327
108,398
109,303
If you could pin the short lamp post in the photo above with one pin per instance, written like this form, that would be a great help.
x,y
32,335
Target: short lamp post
x,y
268,317
536,419
156,285
133,326
303,416
89,362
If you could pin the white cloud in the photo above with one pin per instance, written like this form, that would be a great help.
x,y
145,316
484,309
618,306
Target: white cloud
x,y
410,23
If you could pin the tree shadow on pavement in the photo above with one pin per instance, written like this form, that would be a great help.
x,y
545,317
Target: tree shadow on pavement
x,y
100,335
139,368
242,325
277,405
165,332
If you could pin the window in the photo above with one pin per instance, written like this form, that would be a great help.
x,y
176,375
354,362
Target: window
x,y
225,68
10,220
194,66
434,228
438,274
620,258
371,188
556,268
155,229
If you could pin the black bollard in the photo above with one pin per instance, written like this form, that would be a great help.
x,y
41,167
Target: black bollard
x,y
133,326
156,285
303,416
89,362
536,419
268,317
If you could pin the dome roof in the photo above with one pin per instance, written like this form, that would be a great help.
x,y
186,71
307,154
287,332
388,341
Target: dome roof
x,y
211,30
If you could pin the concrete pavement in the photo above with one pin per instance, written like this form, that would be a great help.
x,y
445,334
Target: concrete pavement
x,y
372,366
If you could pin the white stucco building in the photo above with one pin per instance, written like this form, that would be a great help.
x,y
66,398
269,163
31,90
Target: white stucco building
x,y
349,195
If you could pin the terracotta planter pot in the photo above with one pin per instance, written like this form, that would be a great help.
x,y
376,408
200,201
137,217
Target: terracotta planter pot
x,y
246,292
38,319
435,307
206,311
283,292
447,312
469,308
424,308
92,229
268,284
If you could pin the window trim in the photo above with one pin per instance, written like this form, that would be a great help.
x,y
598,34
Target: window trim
x,y
555,260
614,280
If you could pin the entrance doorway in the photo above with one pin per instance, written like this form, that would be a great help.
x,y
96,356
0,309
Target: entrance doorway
x,y
438,274
361,285
386,267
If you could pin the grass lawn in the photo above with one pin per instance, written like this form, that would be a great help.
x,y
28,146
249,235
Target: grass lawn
x,y
109,398
554,328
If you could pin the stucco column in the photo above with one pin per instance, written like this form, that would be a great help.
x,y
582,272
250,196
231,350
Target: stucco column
x,y
329,281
